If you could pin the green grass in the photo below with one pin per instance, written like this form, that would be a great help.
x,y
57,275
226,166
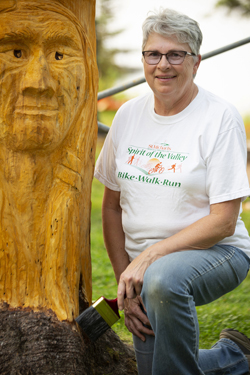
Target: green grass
x,y
106,117
230,311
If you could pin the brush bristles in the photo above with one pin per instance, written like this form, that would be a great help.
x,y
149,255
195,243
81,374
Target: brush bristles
x,y
92,323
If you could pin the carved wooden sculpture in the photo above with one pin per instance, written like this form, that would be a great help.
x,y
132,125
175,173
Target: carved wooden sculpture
x,y
47,134
48,130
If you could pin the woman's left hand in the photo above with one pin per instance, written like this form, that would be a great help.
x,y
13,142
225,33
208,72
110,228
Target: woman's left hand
x,y
131,280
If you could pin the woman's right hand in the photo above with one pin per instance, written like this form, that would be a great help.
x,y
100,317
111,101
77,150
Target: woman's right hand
x,y
135,318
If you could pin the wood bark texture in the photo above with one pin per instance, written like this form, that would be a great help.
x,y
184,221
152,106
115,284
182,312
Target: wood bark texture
x,y
37,343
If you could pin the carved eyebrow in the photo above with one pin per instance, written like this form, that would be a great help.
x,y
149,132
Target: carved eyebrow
x,y
64,39
25,34
29,35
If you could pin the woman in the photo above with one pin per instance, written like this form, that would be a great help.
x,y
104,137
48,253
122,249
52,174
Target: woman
x,y
174,170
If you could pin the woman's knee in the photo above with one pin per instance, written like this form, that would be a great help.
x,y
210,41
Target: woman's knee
x,y
162,280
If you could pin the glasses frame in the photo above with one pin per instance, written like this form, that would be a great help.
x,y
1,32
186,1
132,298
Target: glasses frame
x,y
166,54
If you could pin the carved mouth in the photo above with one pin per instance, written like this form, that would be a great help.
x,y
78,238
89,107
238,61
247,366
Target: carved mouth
x,y
29,110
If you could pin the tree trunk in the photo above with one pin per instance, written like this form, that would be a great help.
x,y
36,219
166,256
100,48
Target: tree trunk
x,y
48,131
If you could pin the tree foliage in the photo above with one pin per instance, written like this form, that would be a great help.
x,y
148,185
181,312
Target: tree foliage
x,y
241,5
109,70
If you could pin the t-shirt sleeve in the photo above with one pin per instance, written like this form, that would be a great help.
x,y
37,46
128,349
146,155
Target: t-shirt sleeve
x,y
226,167
105,166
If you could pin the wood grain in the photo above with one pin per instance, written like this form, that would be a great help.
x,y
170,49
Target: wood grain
x,y
48,131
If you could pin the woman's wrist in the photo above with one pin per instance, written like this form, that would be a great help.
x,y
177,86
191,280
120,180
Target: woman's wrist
x,y
157,251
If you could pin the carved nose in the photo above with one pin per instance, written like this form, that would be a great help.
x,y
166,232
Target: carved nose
x,y
37,79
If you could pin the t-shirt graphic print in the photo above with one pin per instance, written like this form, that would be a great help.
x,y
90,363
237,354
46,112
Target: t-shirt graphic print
x,y
153,164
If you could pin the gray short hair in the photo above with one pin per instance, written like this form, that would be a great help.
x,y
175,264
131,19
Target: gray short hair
x,y
168,22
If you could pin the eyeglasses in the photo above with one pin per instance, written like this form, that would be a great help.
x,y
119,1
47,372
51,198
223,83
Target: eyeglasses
x,y
173,57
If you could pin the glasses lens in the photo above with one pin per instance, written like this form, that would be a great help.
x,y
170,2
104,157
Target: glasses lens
x,y
176,58
152,58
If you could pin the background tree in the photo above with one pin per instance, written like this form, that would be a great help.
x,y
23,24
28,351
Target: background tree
x,y
241,5
109,70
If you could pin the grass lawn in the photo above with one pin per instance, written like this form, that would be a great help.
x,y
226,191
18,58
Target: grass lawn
x,y
230,311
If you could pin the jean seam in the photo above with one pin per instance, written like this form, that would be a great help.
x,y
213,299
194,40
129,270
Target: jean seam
x,y
195,332
215,265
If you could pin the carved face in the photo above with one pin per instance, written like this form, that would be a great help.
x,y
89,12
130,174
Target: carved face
x,y
42,78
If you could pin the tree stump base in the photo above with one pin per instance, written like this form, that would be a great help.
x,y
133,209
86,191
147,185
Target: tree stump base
x,y
37,343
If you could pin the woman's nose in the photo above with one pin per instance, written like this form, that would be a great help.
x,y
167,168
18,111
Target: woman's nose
x,y
37,79
163,63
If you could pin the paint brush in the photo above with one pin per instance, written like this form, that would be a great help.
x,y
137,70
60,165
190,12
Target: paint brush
x,y
96,319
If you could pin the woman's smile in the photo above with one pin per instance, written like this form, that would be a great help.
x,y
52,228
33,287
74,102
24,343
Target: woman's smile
x,y
165,78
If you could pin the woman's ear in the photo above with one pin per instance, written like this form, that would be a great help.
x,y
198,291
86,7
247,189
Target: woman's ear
x,y
196,64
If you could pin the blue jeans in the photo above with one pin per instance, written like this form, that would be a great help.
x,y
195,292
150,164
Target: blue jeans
x,y
173,286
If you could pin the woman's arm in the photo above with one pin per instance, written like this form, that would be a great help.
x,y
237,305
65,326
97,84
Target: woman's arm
x,y
202,234
114,239
113,234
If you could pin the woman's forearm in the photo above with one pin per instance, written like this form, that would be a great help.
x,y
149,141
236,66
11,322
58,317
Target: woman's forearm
x,y
204,233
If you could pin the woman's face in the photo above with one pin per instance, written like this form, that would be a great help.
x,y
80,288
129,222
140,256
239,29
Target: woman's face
x,y
42,84
168,80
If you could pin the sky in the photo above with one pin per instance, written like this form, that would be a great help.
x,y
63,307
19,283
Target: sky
x,y
226,75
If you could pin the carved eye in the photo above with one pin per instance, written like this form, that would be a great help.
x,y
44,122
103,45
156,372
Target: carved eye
x,y
59,56
17,53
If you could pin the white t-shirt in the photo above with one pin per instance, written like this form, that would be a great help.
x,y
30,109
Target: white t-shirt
x,y
169,169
